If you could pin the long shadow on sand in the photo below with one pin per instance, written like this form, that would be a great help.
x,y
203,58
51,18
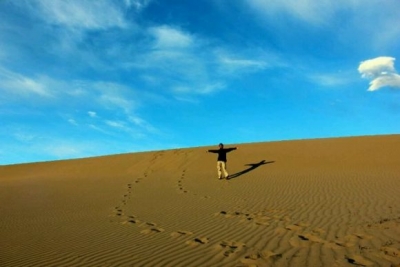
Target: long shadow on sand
x,y
252,167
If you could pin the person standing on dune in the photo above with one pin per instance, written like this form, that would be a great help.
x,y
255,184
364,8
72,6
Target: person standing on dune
x,y
221,160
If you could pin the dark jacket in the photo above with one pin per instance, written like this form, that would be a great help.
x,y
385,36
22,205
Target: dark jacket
x,y
222,152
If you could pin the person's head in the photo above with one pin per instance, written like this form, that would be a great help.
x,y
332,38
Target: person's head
x,y
221,145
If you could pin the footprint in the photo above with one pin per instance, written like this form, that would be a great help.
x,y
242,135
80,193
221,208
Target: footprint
x,y
335,245
133,220
152,230
118,212
282,218
180,182
302,240
178,234
258,218
270,254
314,238
394,252
225,214
302,237
358,260
262,221
203,240
256,258
198,241
354,240
299,241
296,226
239,214
231,247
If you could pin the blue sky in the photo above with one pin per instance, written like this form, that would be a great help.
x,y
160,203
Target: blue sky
x,y
83,78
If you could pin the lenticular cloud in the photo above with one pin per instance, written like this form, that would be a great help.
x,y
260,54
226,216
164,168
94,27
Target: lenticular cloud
x,y
381,72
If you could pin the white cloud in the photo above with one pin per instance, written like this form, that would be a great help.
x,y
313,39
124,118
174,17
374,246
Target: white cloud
x,y
387,79
373,68
381,71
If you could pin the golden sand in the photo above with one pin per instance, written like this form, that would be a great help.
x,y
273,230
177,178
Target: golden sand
x,y
324,202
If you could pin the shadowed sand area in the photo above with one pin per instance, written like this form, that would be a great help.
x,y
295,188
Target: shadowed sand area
x,y
324,202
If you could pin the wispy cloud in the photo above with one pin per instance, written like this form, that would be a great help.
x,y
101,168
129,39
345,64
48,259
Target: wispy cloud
x,y
24,136
63,150
72,99
82,14
183,62
115,100
140,122
17,84
191,64
199,89
137,4
230,64
374,23
167,37
73,122
116,124
306,10
331,79
92,114
381,72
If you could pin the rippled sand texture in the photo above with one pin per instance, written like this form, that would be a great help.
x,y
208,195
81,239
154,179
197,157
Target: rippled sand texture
x,y
326,202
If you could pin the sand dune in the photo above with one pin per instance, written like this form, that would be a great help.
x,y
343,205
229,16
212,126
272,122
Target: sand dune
x,y
325,202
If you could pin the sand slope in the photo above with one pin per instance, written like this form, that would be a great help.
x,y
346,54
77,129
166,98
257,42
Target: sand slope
x,y
326,202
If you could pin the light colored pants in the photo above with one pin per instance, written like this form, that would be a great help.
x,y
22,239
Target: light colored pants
x,y
221,167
